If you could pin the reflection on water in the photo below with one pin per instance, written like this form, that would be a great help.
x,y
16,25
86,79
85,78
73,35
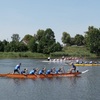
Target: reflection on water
x,y
85,87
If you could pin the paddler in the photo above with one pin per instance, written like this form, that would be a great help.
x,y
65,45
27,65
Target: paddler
x,y
73,68
49,71
25,71
34,71
42,71
58,71
17,68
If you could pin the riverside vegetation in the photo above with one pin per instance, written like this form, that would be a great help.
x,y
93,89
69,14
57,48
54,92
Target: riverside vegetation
x,y
70,51
44,44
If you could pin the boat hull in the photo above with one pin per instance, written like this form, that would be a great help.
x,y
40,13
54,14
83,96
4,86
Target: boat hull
x,y
23,76
87,64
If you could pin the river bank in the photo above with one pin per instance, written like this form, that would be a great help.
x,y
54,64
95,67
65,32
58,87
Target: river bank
x,y
22,55
70,51
43,56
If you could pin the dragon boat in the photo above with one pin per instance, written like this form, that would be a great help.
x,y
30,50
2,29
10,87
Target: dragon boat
x,y
34,76
87,64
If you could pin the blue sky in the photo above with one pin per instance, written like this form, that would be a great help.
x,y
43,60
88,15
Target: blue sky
x,y
28,16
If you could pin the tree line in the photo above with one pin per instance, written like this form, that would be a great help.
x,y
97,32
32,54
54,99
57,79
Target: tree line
x,y
44,41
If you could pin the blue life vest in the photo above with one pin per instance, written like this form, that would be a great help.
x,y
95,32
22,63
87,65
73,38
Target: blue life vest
x,y
74,67
17,67
48,72
56,72
22,72
41,72
32,72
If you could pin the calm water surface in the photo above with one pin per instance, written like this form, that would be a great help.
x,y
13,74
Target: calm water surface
x,y
86,87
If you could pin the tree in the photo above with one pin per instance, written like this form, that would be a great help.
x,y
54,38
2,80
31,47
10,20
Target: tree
x,y
45,39
16,47
40,35
5,42
72,41
79,39
92,37
49,40
15,37
42,42
27,38
40,47
55,47
66,39
32,45
12,47
7,47
1,46
22,47
49,36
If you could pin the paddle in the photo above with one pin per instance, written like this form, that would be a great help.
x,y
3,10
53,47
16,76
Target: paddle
x,y
63,69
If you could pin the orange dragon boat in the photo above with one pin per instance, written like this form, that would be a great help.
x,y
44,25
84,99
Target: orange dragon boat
x,y
28,76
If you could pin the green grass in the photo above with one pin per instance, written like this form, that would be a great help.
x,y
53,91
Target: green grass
x,y
22,55
78,51
74,51
70,51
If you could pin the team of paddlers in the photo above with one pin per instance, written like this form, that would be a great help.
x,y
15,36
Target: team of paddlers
x,y
63,59
43,70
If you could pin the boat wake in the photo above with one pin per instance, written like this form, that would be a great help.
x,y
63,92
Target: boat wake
x,y
85,71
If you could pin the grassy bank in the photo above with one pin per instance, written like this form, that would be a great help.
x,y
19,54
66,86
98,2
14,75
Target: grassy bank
x,y
73,51
78,51
22,55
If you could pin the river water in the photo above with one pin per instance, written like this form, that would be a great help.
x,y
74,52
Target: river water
x,y
85,87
